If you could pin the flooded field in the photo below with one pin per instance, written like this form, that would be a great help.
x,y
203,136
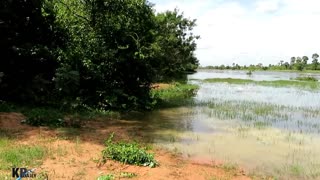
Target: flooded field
x,y
269,131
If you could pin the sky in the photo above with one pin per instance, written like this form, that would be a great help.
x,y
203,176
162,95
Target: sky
x,y
251,31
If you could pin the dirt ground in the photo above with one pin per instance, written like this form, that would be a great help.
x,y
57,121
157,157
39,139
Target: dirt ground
x,y
73,154
161,86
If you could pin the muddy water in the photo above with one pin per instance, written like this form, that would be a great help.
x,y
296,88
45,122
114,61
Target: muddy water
x,y
266,130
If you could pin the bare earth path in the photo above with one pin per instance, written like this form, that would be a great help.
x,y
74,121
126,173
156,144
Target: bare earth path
x,y
73,153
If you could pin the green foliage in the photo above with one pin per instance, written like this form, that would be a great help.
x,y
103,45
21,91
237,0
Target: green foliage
x,y
175,95
105,64
44,117
129,153
101,54
310,85
5,107
174,46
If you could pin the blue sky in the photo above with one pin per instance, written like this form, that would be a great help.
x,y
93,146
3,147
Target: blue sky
x,y
251,31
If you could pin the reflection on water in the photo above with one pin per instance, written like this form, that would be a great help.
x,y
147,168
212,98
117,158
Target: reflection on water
x,y
256,75
275,131
280,96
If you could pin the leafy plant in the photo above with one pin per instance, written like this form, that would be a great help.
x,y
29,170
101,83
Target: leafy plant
x,y
128,153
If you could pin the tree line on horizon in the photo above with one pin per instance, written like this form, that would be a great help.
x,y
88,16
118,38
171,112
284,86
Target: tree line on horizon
x,y
92,53
295,63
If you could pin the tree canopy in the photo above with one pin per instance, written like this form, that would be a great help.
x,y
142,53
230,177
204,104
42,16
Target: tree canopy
x,y
91,53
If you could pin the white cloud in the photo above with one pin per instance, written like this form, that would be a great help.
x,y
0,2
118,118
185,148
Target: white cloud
x,y
267,6
265,31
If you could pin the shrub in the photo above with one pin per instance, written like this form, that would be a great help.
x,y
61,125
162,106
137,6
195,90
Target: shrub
x,y
44,117
5,107
128,153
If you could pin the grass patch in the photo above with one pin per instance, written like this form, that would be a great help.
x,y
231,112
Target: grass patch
x,y
230,167
128,153
309,85
19,155
260,125
106,177
68,132
6,133
245,110
297,170
175,95
229,80
121,175
306,78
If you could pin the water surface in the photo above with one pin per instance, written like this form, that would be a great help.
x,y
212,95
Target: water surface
x,y
267,130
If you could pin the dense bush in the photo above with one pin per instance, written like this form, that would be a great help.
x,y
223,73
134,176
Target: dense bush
x,y
44,117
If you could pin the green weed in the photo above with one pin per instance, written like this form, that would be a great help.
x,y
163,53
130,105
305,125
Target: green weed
x,y
308,85
106,177
306,78
128,153
260,125
296,169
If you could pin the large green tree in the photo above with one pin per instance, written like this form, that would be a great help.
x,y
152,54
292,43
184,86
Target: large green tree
x,y
175,45
107,61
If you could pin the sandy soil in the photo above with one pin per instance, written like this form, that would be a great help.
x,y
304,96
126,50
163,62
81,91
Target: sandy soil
x,y
74,153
